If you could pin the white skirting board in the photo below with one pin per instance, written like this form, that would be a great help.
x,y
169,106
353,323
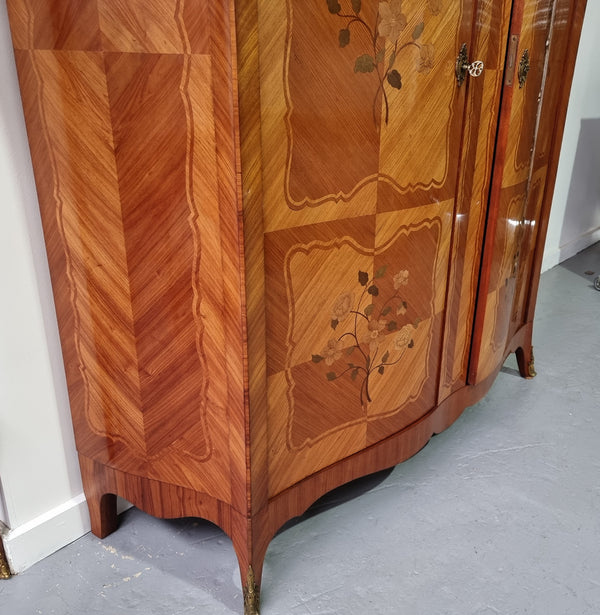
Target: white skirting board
x,y
34,540
553,257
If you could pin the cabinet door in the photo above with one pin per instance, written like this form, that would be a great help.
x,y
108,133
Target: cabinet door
x,y
363,137
515,233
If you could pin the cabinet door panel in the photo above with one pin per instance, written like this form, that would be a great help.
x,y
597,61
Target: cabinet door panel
x,y
544,158
477,159
518,190
341,140
361,133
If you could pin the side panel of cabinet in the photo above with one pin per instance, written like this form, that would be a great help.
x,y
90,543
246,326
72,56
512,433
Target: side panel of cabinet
x,y
362,134
129,112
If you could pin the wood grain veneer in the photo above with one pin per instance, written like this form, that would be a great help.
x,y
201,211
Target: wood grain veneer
x,y
286,247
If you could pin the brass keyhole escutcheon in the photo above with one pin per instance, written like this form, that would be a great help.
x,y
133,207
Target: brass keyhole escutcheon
x,y
463,66
523,68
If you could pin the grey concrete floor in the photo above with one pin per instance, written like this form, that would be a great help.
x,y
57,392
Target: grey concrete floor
x,y
498,514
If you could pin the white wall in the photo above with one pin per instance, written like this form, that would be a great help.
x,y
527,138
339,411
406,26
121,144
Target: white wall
x,y
575,220
3,513
43,505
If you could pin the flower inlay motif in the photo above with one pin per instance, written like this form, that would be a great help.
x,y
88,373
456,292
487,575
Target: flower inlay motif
x,y
366,327
388,40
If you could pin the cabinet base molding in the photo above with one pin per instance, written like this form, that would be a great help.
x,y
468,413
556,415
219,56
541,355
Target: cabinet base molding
x,y
102,484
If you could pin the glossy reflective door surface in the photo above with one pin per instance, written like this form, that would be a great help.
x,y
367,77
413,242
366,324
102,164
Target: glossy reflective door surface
x,y
520,184
477,158
363,133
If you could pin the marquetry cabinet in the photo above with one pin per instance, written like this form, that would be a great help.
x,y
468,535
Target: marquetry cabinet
x,y
289,241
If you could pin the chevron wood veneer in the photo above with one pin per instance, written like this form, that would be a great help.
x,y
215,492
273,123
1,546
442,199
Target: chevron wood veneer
x,y
286,245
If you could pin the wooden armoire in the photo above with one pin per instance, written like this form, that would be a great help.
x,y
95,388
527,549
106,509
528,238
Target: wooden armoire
x,y
289,241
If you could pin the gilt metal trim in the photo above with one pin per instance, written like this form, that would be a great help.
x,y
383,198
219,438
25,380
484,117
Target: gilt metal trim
x,y
251,595
4,567
531,366
524,67
462,63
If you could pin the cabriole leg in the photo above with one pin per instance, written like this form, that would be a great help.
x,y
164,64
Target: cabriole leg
x,y
526,361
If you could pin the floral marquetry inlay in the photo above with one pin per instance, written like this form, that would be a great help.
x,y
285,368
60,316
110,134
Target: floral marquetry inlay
x,y
354,344
353,118
357,352
389,39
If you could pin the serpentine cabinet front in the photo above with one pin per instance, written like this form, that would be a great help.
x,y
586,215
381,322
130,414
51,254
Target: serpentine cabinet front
x,y
289,241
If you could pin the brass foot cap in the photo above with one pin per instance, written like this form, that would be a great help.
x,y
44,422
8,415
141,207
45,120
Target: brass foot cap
x,y
251,595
